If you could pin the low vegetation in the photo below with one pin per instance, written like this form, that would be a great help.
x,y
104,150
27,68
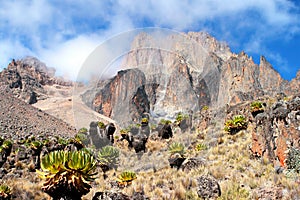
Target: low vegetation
x,y
237,123
67,174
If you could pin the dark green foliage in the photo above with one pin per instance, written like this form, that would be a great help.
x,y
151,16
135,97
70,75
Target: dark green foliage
x,y
256,107
6,146
80,140
165,121
180,116
236,124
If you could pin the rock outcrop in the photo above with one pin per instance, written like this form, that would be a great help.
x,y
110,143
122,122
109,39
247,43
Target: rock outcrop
x,y
276,130
27,77
182,73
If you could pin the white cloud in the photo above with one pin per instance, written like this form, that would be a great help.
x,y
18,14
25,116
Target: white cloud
x,y
68,57
63,34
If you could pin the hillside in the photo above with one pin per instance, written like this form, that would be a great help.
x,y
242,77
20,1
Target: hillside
x,y
187,120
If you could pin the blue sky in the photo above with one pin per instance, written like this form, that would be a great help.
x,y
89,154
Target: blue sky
x,y
63,34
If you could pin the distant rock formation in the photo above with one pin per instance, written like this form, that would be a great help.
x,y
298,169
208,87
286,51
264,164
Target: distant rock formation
x,y
27,77
198,71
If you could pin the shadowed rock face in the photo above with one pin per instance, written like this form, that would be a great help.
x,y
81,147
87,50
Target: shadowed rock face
x,y
198,71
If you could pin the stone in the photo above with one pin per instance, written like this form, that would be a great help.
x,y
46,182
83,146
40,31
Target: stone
x,y
166,132
208,187
192,163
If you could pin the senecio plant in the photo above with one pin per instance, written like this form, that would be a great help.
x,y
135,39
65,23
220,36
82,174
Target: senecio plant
x,y
177,148
67,173
5,192
236,124
108,157
256,107
126,178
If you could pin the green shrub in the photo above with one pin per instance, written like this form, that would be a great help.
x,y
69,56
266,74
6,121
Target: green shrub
x,y
126,178
67,174
36,145
177,148
101,125
5,192
83,130
256,106
109,156
144,120
6,146
82,138
165,121
236,124
180,116
205,108
201,146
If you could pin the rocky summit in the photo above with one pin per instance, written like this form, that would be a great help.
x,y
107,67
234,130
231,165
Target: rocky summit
x,y
187,72
183,118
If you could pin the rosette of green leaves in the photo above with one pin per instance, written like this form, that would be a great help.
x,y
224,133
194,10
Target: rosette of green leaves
x,y
67,174
177,148
109,156
126,178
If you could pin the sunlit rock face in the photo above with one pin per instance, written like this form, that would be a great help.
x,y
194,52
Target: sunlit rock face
x,y
182,72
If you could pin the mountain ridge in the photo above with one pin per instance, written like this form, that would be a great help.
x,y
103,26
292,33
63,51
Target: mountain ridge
x,y
195,65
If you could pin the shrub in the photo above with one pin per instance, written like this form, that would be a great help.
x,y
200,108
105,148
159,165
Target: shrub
x,y
36,145
204,108
108,156
101,125
144,120
5,192
165,121
6,146
180,116
236,124
256,107
67,174
126,178
83,130
177,148
201,146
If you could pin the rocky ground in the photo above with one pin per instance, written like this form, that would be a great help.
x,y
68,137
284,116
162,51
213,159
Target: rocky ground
x,y
18,118
246,164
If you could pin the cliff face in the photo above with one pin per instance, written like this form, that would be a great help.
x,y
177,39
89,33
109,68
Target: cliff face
x,y
182,73
27,77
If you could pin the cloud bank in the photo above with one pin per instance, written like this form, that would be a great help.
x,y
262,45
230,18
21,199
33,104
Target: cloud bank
x,y
63,33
